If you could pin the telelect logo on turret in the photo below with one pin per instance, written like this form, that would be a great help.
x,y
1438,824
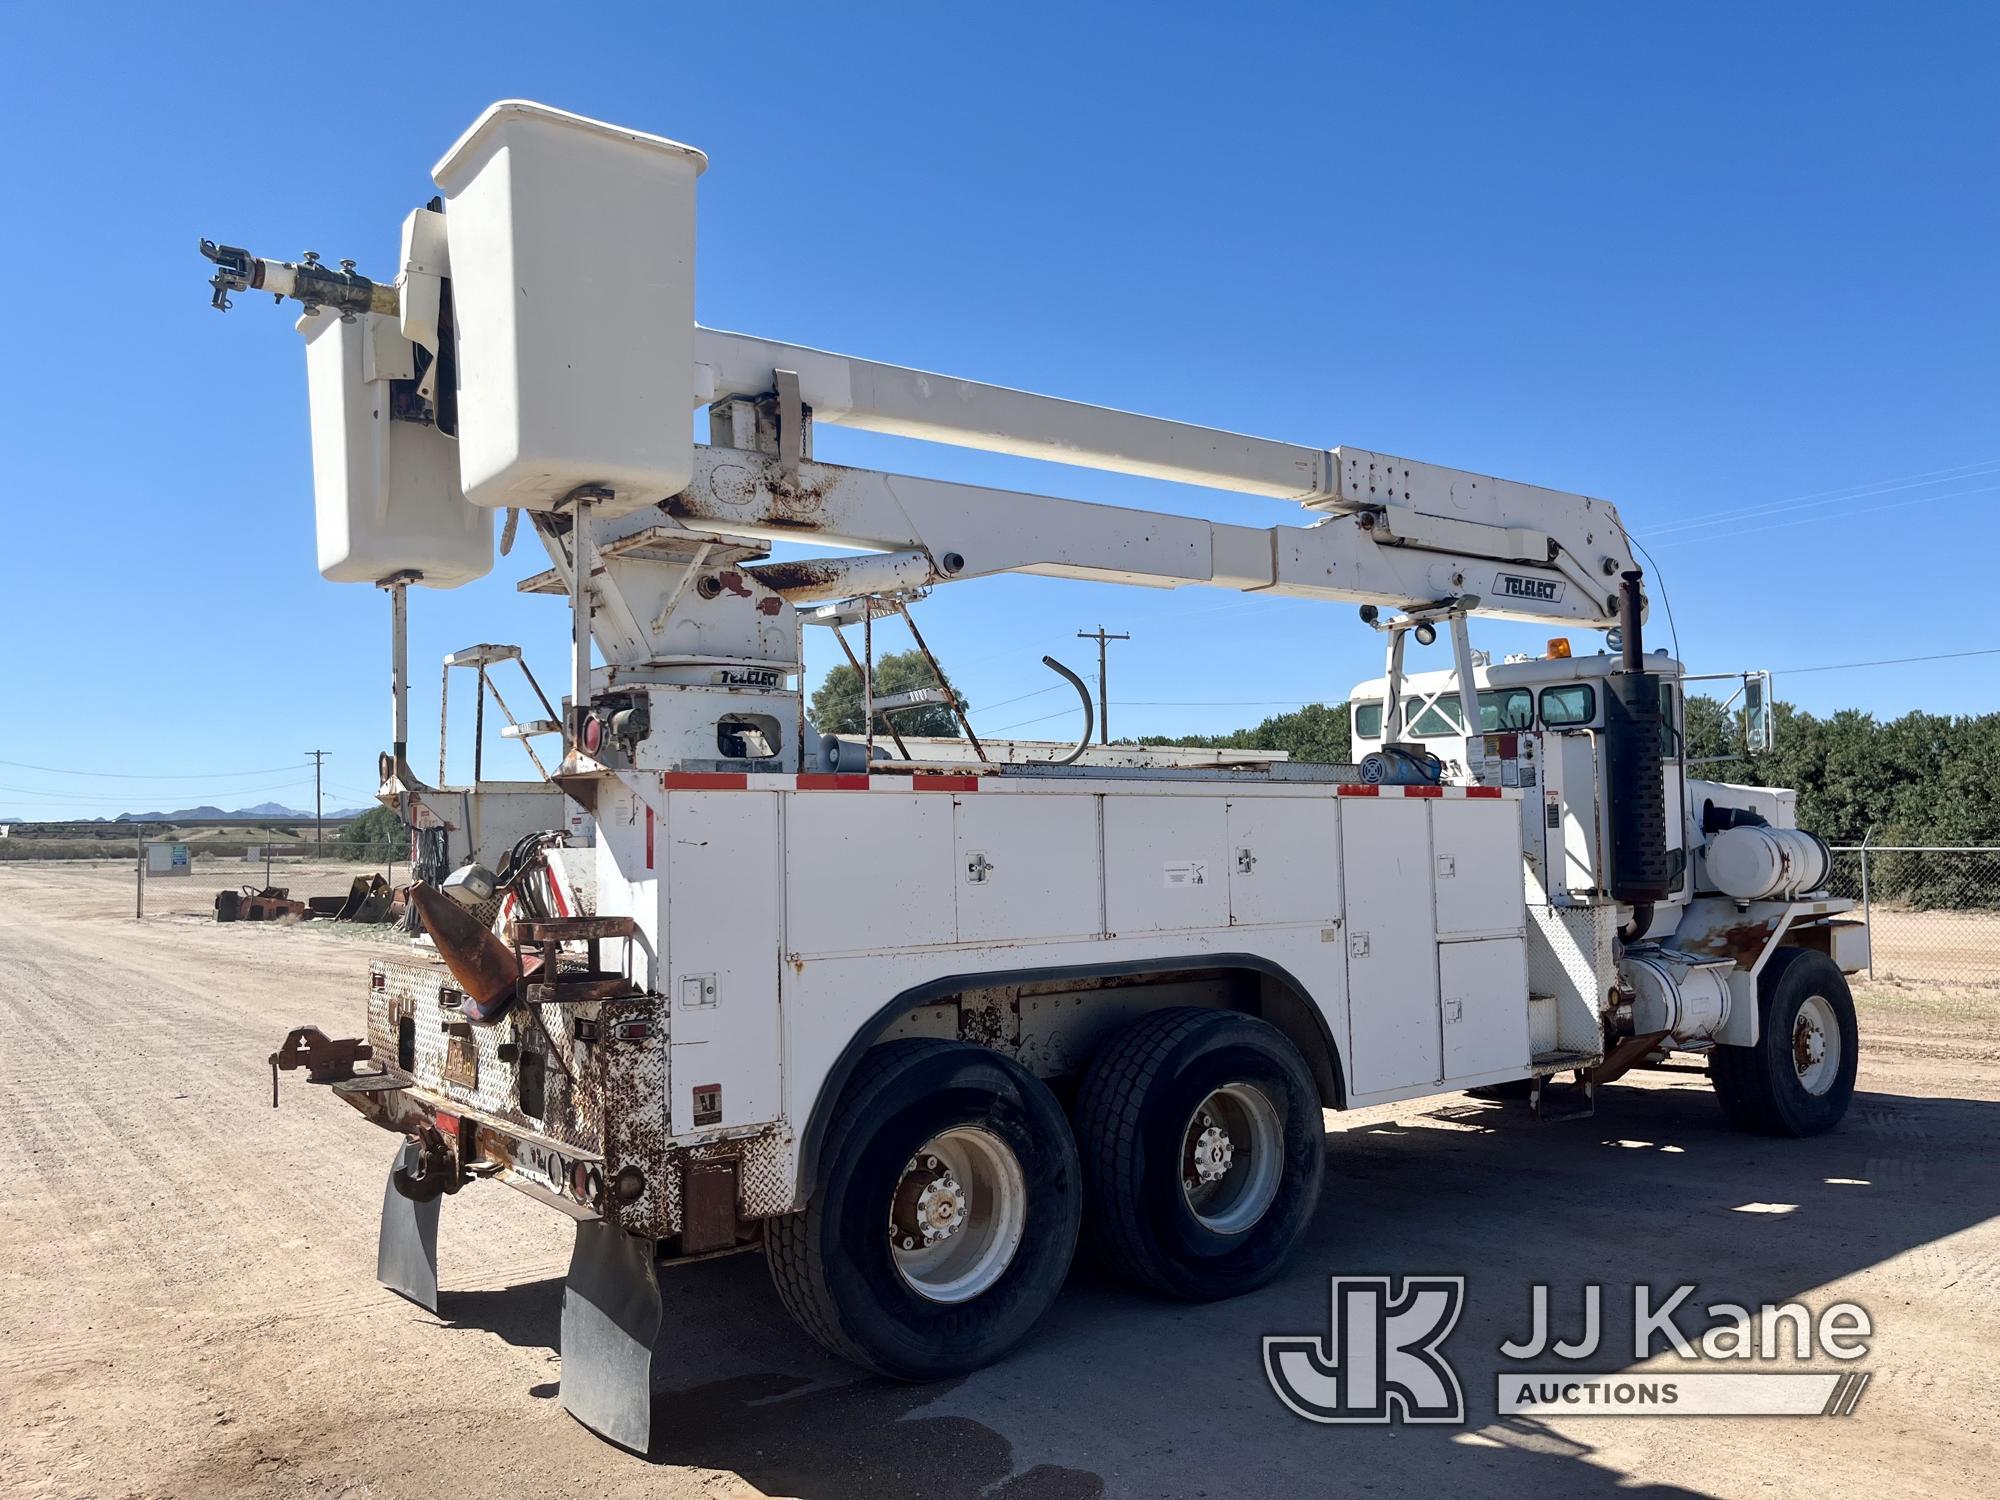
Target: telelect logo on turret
x,y
1517,586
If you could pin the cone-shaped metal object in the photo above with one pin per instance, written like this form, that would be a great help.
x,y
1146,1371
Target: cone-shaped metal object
x,y
478,957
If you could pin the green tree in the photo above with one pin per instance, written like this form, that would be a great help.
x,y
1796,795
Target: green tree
x,y
1317,733
837,709
1710,731
376,834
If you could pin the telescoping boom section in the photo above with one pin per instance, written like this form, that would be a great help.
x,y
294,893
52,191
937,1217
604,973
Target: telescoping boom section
x,y
910,1014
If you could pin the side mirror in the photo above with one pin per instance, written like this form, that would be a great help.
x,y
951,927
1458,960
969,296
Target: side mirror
x,y
1760,722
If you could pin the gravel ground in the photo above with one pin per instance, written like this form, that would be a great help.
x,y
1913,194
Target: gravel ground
x,y
188,1307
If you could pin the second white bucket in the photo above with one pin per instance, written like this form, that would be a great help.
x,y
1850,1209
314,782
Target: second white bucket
x,y
572,271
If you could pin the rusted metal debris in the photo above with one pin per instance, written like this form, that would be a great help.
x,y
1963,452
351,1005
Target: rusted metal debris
x,y
369,899
248,904
485,966
324,1059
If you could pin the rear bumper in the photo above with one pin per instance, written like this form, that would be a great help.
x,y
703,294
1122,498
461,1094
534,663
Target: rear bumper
x,y
565,1103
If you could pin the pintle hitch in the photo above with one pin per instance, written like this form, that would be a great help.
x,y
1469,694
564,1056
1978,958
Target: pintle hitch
x,y
324,1059
427,1170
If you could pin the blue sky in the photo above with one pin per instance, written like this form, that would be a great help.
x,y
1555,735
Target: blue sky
x,y
1701,260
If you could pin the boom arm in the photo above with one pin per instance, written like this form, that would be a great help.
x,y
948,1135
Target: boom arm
x,y
964,531
1395,532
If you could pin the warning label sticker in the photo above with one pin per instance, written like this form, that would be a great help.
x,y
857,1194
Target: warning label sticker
x,y
1185,872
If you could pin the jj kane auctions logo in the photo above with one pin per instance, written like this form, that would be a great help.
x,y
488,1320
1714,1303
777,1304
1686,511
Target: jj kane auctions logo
x,y
1382,1358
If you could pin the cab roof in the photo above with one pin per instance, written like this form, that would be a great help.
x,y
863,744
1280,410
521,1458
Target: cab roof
x,y
1536,673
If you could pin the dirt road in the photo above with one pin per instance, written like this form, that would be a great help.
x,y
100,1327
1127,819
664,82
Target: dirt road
x,y
188,1307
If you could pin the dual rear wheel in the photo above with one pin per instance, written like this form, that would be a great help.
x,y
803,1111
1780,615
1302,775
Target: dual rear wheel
x,y
952,1190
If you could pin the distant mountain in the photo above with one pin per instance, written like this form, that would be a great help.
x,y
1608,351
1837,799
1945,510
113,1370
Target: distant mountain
x,y
273,810
189,814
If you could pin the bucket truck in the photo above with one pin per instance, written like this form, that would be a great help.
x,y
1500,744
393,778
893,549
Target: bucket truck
x,y
916,1019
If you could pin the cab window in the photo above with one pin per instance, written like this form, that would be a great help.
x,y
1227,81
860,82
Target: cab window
x,y
1572,703
1368,720
1668,739
1499,708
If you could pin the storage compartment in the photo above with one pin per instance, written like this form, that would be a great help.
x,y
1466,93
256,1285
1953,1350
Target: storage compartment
x,y
1392,966
1284,860
1475,856
1483,999
1164,864
385,493
572,261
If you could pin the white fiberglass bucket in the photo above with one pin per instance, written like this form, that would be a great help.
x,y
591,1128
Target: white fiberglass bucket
x,y
385,494
572,266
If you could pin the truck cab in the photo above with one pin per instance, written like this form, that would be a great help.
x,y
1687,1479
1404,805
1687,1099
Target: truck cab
x,y
1542,729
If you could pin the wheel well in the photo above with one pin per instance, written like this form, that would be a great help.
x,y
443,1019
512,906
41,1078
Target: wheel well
x,y
1051,1020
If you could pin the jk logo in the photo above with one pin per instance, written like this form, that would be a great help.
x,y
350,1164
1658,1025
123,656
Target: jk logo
x,y
1380,1360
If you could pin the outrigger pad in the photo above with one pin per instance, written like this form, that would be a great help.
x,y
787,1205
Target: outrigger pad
x,y
406,1252
611,1315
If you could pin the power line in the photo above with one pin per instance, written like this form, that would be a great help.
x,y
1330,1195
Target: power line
x,y
1019,698
21,765
43,795
1889,661
1693,541
1919,480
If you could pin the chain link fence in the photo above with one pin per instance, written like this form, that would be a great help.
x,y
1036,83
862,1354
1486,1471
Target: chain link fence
x,y
1933,912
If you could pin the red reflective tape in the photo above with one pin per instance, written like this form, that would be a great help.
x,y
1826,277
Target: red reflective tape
x,y
833,781
1360,791
1423,791
1482,791
704,781
932,781
649,835
447,1122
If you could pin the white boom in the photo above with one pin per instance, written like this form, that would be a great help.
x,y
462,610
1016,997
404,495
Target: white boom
x,y
1526,552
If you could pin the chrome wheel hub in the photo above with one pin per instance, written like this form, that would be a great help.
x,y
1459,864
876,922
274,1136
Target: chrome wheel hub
x,y
940,1208
1213,1151
958,1214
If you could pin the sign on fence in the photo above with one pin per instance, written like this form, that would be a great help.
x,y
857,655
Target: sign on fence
x,y
168,859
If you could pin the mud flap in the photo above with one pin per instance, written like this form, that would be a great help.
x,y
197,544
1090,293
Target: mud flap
x,y
406,1252
611,1315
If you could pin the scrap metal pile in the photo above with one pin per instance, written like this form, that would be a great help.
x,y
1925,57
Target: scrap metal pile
x,y
370,899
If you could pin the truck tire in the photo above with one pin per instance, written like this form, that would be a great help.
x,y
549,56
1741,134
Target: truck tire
x,y
1203,1152
1799,1077
943,1217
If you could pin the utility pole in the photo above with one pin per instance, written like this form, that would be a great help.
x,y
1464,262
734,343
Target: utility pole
x,y
319,842
1103,639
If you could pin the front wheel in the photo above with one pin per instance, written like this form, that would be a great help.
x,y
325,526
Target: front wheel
x,y
1798,1078
1203,1152
944,1216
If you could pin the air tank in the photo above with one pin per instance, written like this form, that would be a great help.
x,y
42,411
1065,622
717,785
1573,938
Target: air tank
x,y
1757,863
1677,995
572,270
